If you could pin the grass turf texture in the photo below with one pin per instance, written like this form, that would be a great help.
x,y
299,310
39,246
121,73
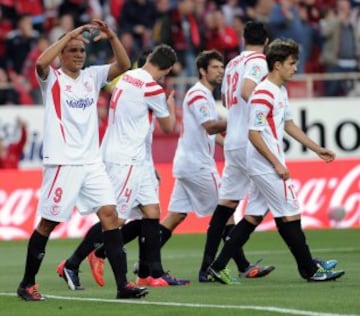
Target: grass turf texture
x,y
280,293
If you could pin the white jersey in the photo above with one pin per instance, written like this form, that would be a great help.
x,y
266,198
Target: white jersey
x,y
269,109
195,149
248,65
135,96
71,122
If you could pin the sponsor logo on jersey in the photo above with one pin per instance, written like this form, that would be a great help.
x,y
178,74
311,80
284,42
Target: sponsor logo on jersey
x,y
255,71
81,103
204,110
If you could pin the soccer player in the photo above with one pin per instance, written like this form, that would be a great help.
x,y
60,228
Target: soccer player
x,y
74,173
272,189
242,74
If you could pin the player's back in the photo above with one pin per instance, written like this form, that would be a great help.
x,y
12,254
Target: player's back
x,y
248,65
129,122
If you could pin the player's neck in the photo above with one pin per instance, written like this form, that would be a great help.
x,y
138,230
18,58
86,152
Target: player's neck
x,y
207,84
275,78
254,48
71,74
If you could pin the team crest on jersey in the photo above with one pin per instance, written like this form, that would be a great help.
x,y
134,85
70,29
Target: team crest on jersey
x,y
88,86
255,71
204,110
260,118
68,88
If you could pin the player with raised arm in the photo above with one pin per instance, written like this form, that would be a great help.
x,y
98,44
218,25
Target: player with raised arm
x,y
74,173
270,116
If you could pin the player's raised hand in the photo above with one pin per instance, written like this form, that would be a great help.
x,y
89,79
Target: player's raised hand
x,y
80,33
101,30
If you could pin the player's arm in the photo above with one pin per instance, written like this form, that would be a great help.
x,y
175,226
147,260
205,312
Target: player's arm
x,y
214,126
122,61
257,141
297,133
247,88
219,140
167,123
47,57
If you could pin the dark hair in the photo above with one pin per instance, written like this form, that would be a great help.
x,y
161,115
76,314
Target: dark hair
x,y
279,50
204,58
141,60
255,33
163,56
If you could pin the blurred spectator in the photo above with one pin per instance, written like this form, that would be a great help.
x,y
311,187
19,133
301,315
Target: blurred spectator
x,y
8,95
65,23
341,49
77,8
221,36
29,68
22,87
138,18
260,11
231,8
5,27
35,9
162,8
181,31
19,42
10,154
285,21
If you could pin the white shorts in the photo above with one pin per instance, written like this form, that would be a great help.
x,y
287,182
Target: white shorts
x,y
198,193
86,186
133,185
235,181
270,192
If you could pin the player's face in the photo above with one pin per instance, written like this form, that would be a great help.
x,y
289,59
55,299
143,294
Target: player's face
x,y
288,68
73,56
215,72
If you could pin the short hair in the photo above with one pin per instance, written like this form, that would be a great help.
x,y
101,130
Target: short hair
x,y
144,54
279,50
204,58
163,57
255,33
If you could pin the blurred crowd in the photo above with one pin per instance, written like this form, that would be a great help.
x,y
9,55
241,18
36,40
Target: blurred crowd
x,y
327,30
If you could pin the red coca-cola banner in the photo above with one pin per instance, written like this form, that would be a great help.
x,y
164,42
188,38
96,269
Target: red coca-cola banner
x,y
319,186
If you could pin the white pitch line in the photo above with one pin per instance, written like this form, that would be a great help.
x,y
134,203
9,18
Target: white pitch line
x,y
275,309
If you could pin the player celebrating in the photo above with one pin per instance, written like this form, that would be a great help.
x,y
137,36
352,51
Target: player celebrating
x,y
272,189
74,172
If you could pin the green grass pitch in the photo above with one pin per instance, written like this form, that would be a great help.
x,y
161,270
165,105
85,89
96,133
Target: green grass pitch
x,y
283,292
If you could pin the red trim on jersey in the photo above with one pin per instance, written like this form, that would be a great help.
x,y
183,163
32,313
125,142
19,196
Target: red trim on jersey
x,y
194,99
126,180
262,101
255,57
55,92
215,182
269,117
151,84
264,92
196,90
54,180
155,92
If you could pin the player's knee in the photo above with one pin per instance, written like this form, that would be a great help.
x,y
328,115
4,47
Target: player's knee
x,y
255,220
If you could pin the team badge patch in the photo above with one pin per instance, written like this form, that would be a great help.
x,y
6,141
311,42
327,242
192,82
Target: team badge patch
x,y
255,71
204,110
260,118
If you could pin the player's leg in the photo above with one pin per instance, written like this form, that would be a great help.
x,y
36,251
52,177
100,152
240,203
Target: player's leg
x,y
168,224
283,203
55,205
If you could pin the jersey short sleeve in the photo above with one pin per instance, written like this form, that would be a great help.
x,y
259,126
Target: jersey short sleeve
x,y
199,105
256,68
155,98
260,106
100,73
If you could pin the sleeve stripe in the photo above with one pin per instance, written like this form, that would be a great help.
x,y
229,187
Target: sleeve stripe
x,y
151,84
264,92
196,91
153,93
262,101
194,99
255,57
